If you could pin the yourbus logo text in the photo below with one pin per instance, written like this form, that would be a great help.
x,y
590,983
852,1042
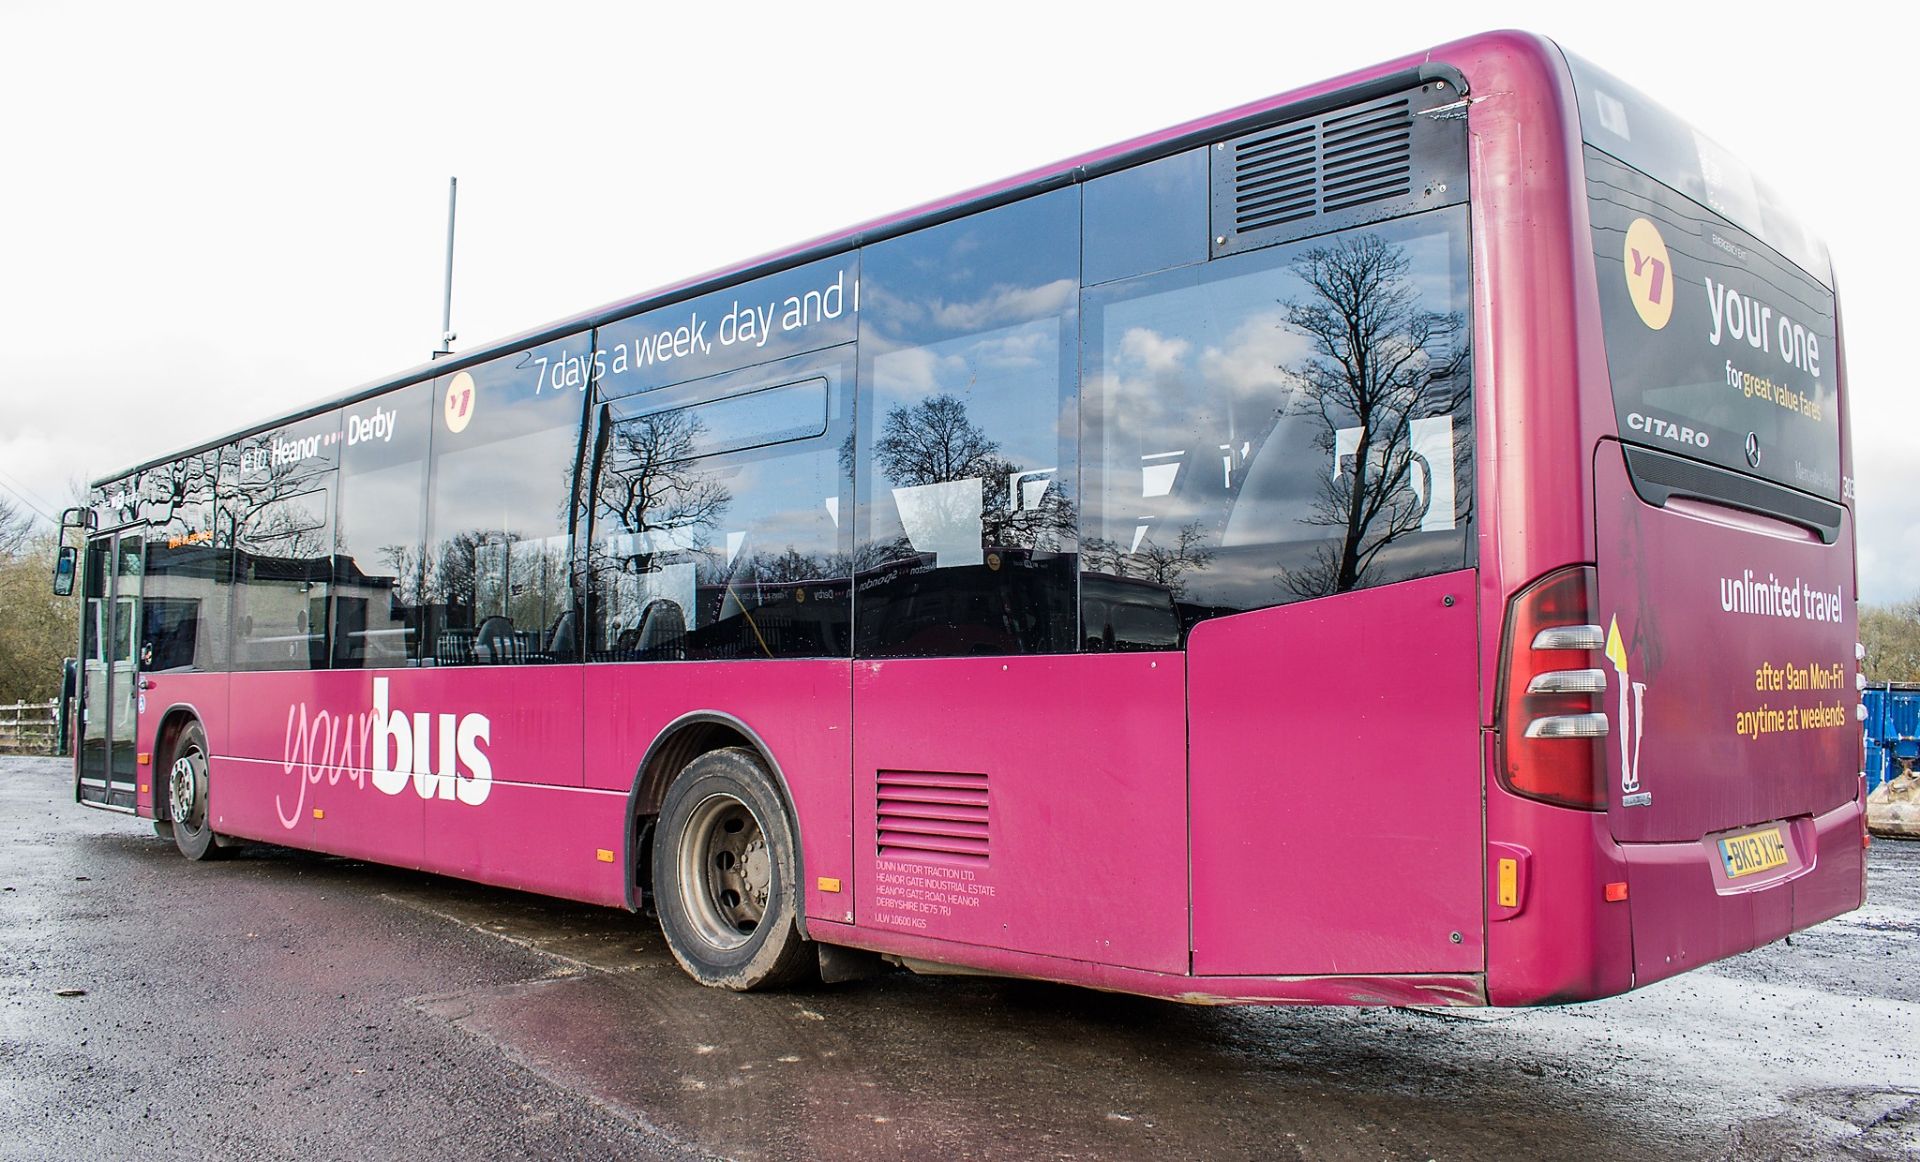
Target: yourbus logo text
x,y
442,756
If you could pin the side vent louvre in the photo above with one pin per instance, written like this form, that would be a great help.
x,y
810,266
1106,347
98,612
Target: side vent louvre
x,y
933,814
1366,163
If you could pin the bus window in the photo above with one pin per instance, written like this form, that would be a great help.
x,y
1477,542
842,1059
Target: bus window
x,y
377,600
497,578
968,375
1244,453
187,576
718,529
281,514
1151,217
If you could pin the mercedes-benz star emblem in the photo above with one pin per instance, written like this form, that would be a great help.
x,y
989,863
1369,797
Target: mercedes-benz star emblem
x,y
1753,449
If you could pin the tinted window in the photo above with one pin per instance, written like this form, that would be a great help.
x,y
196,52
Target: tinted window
x,y
378,604
1287,423
805,309
719,528
183,623
498,578
1148,218
1622,121
968,345
1712,336
280,511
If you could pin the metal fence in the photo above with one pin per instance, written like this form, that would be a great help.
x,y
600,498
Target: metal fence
x,y
29,728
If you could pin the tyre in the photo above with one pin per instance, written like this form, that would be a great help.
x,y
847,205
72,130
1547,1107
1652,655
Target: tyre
x,y
187,796
726,875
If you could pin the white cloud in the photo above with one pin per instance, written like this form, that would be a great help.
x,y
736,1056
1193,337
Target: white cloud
x,y
1153,352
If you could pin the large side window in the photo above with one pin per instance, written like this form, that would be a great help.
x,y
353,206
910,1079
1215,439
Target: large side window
x,y
718,517
968,376
379,574
498,570
1287,423
183,620
280,513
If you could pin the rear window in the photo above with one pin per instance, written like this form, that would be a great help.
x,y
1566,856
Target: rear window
x,y
1718,348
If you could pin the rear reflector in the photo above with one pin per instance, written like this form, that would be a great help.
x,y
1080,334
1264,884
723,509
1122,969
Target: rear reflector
x,y
1615,892
1550,720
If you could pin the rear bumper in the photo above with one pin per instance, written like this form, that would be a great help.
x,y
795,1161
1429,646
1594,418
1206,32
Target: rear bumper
x,y
1685,913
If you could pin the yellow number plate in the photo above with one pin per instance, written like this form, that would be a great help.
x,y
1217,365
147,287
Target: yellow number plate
x,y
1756,851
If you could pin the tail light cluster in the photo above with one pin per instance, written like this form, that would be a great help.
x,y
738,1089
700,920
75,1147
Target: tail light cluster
x,y
1551,723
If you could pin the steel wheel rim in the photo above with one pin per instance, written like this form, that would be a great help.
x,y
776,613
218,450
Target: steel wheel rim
x,y
726,871
183,790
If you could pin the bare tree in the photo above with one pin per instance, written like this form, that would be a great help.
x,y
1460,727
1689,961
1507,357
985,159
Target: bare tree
x,y
15,525
935,441
651,482
1164,565
1380,362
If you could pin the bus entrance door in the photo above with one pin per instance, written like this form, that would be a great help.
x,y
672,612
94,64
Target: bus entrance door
x,y
109,676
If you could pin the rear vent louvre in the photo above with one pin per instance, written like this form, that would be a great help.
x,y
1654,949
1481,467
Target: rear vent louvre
x,y
933,814
1347,168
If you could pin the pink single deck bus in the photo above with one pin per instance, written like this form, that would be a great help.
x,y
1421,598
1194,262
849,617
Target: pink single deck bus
x,y
1386,544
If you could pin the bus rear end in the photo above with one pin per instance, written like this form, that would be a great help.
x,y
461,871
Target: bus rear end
x,y
1694,689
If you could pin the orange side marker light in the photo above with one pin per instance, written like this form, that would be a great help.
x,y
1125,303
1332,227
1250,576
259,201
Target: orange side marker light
x,y
145,758
828,883
1615,892
1509,883
319,813
604,855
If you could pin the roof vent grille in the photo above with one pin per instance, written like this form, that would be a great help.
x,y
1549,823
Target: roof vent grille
x,y
1350,167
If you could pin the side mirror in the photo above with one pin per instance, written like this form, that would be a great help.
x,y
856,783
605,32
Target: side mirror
x,y
64,567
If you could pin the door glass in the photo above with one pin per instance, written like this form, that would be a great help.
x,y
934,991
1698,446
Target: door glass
x,y
93,675
130,562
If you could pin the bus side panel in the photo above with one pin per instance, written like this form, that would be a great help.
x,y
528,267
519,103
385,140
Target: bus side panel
x,y
558,841
797,709
411,767
1036,804
261,783
512,813
1336,785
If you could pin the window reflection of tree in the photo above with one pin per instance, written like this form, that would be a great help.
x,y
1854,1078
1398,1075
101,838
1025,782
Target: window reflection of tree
x,y
934,442
1380,363
657,509
1161,564
276,521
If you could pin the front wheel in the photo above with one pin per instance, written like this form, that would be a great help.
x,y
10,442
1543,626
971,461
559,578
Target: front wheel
x,y
726,875
187,796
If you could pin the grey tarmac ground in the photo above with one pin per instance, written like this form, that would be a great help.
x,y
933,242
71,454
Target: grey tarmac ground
x,y
284,1005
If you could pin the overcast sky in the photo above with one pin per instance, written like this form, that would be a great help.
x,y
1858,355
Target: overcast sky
x,y
209,214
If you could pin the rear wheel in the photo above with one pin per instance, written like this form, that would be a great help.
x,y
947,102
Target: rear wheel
x,y
187,796
726,875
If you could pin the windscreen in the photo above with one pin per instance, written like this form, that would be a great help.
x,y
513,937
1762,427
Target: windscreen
x,y
1720,328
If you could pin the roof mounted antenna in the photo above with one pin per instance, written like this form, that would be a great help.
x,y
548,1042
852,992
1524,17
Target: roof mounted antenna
x,y
446,309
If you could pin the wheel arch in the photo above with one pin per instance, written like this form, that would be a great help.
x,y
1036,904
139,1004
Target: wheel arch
x,y
680,742
173,721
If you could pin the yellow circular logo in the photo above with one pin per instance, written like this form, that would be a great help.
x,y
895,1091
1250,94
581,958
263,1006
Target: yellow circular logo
x,y
457,407
1649,273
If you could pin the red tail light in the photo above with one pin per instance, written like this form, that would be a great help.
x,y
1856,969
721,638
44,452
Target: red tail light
x,y
1551,725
